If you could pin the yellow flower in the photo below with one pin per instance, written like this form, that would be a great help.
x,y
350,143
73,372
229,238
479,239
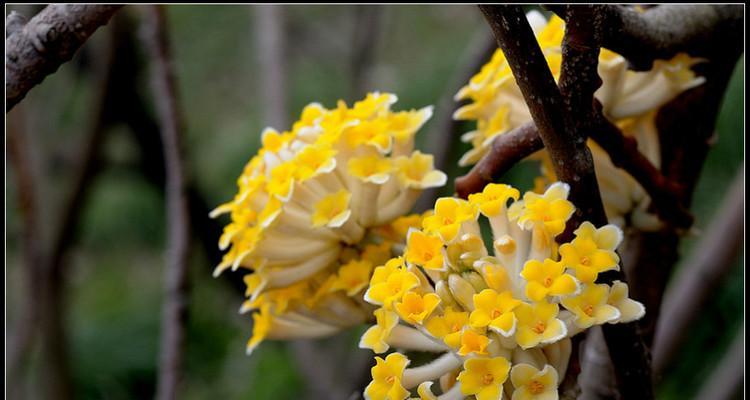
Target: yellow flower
x,y
448,327
532,384
392,289
449,214
414,308
591,252
547,279
630,310
376,337
590,307
386,378
314,160
492,200
484,377
417,171
372,168
550,210
424,250
537,324
495,310
473,342
353,277
333,210
313,214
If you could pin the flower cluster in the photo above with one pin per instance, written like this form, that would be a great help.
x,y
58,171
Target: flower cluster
x,y
500,322
629,99
318,207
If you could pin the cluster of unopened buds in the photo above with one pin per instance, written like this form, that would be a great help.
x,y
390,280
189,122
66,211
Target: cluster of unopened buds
x,y
318,208
498,322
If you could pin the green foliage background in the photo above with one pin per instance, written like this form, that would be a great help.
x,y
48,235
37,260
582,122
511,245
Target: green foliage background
x,y
115,277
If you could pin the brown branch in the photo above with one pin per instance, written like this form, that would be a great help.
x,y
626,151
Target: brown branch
x,y
563,131
175,307
24,329
623,151
663,31
697,281
726,381
47,41
507,150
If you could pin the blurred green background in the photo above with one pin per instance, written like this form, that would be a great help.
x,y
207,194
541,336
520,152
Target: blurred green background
x,y
115,267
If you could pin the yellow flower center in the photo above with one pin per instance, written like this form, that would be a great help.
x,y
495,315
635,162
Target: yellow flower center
x,y
585,260
496,313
588,310
428,255
547,281
456,328
447,221
536,387
390,379
487,379
539,327
546,218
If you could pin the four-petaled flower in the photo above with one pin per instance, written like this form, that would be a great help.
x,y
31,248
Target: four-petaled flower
x,y
538,323
549,210
547,279
424,250
533,384
484,377
414,308
449,214
386,378
495,310
590,307
592,251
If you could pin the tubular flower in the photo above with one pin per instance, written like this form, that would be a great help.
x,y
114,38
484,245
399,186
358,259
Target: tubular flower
x,y
487,312
629,99
318,208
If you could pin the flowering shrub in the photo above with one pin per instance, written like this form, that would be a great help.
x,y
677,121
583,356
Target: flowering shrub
x,y
499,321
629,99
318,208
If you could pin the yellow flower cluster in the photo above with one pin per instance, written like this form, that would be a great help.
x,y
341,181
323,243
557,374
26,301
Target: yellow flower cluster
x,y
490,316
629,99
318,207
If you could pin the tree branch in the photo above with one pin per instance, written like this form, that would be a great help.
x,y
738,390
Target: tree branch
x,y
663,31
711,260
47,41
24,329
271,38
175,307
726,381
507,150
563,131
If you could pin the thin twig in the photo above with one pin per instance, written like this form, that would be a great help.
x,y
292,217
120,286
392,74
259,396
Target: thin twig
x,y
726,381
47,41
270,34
663,31
623,151
507,150
175,307
32,265
698,279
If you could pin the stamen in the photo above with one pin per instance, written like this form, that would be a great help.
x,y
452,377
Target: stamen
x,y
536,387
